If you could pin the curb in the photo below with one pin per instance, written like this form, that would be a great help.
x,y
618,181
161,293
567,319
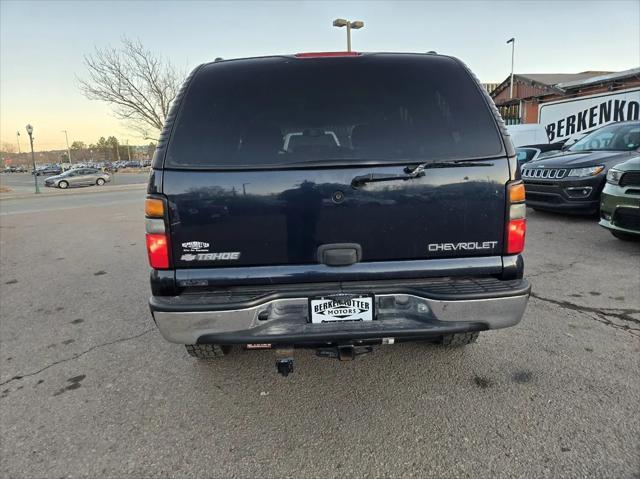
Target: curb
x,y
74,191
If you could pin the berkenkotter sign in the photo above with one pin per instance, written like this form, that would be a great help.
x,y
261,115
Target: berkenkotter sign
x,y
565,118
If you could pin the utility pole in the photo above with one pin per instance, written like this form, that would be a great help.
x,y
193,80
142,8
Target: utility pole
x,y
128,151
33,157
512,40
68,149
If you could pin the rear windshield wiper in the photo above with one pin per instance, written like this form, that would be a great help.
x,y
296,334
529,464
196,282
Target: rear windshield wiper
x,y
411,172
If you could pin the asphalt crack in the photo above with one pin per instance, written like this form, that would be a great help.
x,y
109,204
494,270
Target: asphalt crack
x,y
548,269
602,315
18,377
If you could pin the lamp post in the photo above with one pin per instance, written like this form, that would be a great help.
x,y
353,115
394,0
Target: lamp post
x,y
66,137
512,40
33,157
18,140
341,22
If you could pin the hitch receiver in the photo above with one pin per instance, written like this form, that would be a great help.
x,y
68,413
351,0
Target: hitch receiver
x,y
346,352
284,366
284,361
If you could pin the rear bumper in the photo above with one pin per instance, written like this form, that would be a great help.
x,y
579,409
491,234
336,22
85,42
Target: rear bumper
x,y
416,310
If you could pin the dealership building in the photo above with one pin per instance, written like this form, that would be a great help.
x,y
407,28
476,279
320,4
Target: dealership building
x,y
531,92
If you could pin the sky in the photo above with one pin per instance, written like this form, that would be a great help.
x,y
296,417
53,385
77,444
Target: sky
x,y
42,44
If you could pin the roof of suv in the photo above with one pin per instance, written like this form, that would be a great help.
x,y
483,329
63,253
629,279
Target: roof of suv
x,y
305,55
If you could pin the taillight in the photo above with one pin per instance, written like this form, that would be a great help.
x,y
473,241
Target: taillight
x,y
157,241
154,208
158,251
516,221
515,236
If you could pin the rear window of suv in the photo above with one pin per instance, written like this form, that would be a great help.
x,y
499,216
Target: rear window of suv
x,y
286,110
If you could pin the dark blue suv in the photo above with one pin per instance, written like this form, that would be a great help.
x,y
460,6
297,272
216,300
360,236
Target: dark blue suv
x,y
334,201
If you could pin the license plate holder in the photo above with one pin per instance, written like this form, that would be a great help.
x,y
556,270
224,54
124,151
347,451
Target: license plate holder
x,y
339,308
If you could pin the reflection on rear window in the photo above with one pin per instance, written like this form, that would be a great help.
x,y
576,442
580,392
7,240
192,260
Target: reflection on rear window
x,y
281,110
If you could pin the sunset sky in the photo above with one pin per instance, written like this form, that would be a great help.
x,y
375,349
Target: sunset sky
x,y
42,44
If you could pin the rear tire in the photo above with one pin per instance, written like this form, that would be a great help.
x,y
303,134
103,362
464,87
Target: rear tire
x,y
460,339
63,185
621,235
207,352
100,181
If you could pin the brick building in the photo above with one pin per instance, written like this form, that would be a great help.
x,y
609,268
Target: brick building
x,y
532,90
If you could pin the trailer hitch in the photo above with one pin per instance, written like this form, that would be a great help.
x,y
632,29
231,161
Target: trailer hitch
x,y
346,352
284,360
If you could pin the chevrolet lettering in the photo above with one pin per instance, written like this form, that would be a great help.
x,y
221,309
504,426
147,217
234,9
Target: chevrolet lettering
x,y
462,246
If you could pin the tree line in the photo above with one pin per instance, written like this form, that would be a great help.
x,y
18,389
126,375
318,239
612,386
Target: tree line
x,y
105,149
108,149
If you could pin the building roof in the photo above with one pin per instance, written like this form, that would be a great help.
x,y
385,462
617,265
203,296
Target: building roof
x,y
552,79
606,77
548,83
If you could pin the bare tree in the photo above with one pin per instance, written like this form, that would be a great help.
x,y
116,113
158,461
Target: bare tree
x,y
138,84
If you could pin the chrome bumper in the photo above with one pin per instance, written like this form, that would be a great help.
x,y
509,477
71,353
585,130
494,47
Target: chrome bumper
x,y
396,314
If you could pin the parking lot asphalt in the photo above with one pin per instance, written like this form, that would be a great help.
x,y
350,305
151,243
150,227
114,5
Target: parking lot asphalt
x,y
88,388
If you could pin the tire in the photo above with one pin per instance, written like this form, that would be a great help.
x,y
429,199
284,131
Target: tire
x,y
63,185
621,235
207,352
100,182
460,339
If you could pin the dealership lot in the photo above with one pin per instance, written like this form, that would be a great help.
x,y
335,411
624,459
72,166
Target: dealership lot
x,y
89,387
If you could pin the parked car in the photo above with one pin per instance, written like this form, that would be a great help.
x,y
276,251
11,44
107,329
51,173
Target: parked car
x,y
10,169
410,227
620,201
572,181
132,164
47,170
78,177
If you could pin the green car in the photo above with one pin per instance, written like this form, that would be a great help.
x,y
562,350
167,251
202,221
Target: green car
x,y
620,201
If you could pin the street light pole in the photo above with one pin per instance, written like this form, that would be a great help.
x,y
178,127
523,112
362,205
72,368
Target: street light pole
x,y
18,140
356,25
512,40
33,157
68,149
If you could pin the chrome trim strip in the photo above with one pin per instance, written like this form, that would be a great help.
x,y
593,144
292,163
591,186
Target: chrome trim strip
x,y
187,327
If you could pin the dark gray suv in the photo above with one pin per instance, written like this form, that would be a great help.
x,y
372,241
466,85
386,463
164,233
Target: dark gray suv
x,y
334,201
